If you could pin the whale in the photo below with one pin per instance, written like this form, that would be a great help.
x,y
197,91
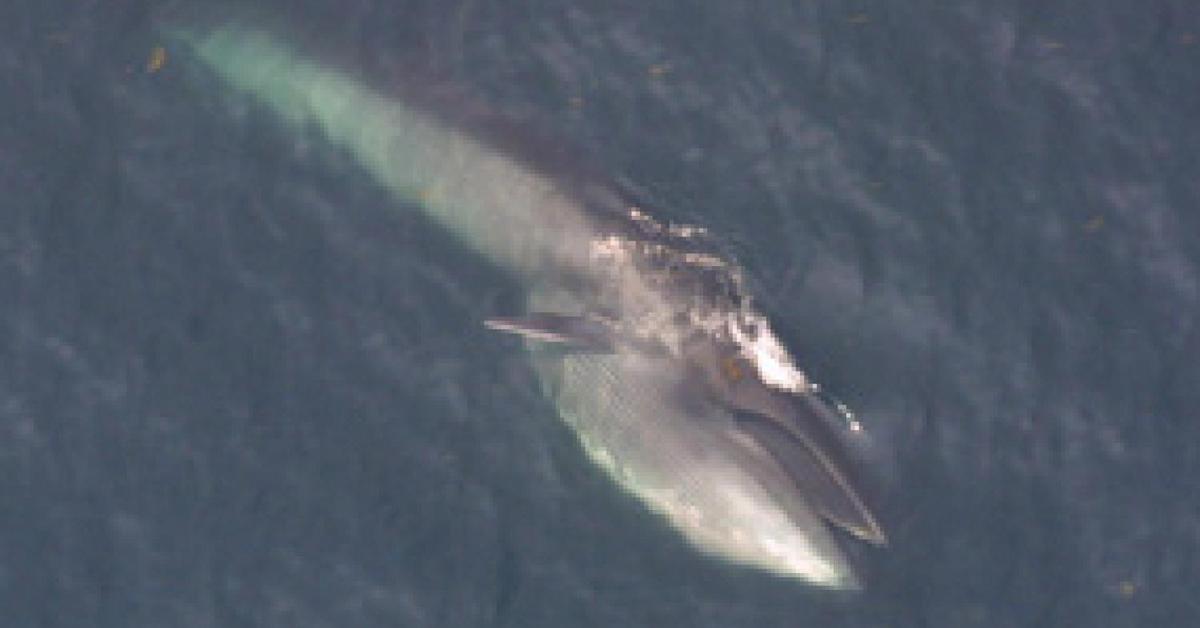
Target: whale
x,y
641,331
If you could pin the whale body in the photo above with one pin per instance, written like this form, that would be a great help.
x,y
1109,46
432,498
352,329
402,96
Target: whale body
x,y
640,331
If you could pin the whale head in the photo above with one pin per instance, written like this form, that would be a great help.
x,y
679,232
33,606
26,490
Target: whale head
x,y
679,389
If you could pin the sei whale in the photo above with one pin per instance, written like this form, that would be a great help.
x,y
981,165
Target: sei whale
x,y
641,331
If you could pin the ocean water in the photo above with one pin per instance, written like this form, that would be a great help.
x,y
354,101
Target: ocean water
x,y
240,385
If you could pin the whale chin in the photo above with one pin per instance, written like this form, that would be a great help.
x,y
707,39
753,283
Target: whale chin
x,y
689,463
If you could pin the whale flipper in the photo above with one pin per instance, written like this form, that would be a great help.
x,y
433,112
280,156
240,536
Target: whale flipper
x,y
579,332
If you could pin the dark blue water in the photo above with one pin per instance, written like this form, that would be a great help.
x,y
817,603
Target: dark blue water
x,y
240,385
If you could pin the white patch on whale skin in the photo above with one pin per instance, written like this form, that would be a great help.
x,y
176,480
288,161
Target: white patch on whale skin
x,y
762,349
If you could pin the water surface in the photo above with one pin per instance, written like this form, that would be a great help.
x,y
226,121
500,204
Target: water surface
x,y
241,385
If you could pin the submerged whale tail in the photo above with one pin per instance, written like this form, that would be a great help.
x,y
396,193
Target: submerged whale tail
x,y
518,218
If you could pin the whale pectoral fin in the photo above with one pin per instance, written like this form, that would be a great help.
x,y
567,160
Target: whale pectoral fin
x,y
578,332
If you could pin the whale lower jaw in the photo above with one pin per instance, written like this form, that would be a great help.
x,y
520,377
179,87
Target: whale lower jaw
x,y
691,468
636,419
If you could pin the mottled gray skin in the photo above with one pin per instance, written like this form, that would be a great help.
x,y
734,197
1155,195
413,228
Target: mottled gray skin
x,y
662,406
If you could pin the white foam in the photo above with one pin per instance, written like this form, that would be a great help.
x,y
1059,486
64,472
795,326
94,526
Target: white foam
x,y
764,350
